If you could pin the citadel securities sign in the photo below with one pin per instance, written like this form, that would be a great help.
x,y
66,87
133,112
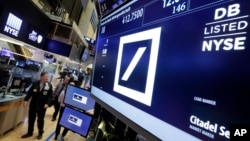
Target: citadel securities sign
x,y
227,31
208,128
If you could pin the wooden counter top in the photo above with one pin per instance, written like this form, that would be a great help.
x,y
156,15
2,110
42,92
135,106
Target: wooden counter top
x,y
10,101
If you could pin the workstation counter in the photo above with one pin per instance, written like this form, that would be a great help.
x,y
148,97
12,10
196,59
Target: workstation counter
x,y
12,112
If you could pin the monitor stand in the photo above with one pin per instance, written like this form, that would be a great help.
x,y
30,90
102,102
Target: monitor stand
x,y
60,138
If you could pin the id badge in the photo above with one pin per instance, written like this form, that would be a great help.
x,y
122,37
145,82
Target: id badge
x,y
45,92
46,86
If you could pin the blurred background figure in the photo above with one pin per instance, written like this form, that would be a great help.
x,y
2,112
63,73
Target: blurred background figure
x,y
58,126
59,88
88,77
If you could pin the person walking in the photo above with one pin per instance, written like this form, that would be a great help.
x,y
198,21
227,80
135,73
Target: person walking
x,y
59,88
40,94
58,126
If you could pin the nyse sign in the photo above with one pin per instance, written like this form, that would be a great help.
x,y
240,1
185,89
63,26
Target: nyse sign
x,y
13,25
226,34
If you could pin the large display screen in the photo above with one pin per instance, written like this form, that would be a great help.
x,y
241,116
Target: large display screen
x,y
177,68
76,121
79,98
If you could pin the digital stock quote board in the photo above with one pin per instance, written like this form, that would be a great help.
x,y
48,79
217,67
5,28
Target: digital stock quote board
x,y
180,69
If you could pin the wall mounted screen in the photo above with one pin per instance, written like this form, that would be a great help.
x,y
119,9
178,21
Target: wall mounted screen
x,y
181,66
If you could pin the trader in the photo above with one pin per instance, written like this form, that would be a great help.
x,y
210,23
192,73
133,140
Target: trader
x,y
87,80
41,92
61,101
59,88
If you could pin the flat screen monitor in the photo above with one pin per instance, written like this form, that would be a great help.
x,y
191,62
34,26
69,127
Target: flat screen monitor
x,y
79,98
76,121
6,52
4,59
181,66
20,64
39,64
16,84
29,62
12,62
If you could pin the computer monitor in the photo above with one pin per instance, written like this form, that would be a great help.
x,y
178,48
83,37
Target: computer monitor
x,y
16,84
20,64
13,62
4,59
79,98
6,52
76,121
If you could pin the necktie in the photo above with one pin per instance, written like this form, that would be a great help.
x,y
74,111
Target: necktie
x,y
41,86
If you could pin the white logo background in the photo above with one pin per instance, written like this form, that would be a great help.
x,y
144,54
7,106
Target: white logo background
x,y
143,97
14,22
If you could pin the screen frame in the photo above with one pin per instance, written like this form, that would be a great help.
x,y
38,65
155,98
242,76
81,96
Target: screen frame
x,y
127,121
86,114
147,134
69,105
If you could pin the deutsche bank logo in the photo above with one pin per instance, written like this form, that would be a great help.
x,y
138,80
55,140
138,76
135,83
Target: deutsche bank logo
x,y
137,60
13,25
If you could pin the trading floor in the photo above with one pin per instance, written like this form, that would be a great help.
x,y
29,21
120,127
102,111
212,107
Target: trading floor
x,y
49,127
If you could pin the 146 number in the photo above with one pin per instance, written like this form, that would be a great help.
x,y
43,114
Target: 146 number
x,y
179,8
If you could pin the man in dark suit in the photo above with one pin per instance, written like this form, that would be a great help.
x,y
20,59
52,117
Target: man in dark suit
x,y
41,92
